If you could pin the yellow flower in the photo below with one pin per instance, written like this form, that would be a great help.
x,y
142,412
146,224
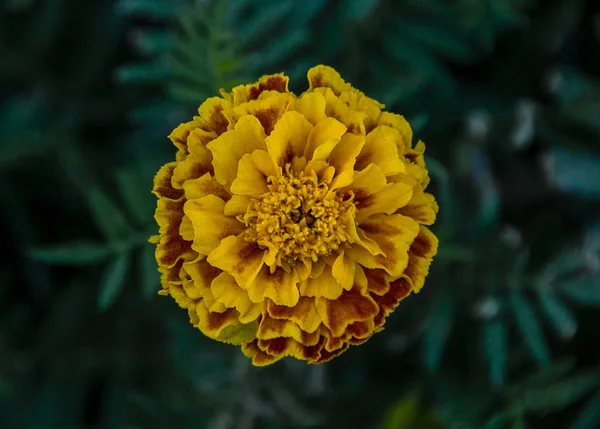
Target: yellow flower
x,y
293,225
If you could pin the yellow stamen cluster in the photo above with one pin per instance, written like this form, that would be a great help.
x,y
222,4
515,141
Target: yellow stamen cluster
x,y
298,218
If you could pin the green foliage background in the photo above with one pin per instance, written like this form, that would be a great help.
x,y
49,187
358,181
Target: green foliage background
x,y
506,94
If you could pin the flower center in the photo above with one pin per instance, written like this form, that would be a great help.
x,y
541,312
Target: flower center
x,y
298,218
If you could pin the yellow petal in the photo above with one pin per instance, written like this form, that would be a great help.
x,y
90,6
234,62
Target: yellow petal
x,y
367,182
312,106
210,225
394,235
227,291
237,205
343,157
195,165
422,207
343,270
289,137
253,171
240,258
327,129
325,76
304,313
231,146
203,186
381,148
280,286
180,134
350,307
354,120
239,334
401,124
171,246
199,138
324,285
322,152
186,229
398,290
388,200
212,117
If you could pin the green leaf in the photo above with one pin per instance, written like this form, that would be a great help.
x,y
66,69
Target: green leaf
x,y
566,262
239,334
529,327
403,414
443,41
112,281
109,218
589,418
584,289
496,348
358,10
143,73
148,272
149,8
152,42
574,172
439,325
559,395
558,313
71,253
136,196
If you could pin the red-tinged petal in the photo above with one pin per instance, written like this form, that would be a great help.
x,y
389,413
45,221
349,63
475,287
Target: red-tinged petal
x,y
210,225
240,258
268,109
394,235
422,207
253,171
212,115
162,183
399,289
421,252
231,146
244,93
350,307
270,329
171,246
304,313
259,358
195,165
378,281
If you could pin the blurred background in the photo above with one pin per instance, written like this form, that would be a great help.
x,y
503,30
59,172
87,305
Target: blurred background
x,y
506,95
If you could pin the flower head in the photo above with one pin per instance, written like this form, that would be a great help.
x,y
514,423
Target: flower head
x,y
293,225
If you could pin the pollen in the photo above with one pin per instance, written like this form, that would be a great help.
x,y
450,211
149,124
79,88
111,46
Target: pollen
x,y
299,218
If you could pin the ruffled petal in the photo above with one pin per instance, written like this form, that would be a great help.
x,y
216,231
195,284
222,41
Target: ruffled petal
x,y
203,186
388,200
210,225
271,328
280,286
378,281
231,146
226,290
401,124
288,138
162,183
195,165
422,207
399,289
381,149
421,252
253,171
350,307
212,115
240,258
171,246
394,235
268,109
324,76
304,313
324,285
259,357
276,82
212,324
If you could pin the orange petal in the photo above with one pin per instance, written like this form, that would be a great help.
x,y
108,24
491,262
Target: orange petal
x,y
399,289
378,281
289,137
210,225
393,234
304,313
231,146
350,307
381,149
271,328
253,171
240,258
421,252
259,358
171,246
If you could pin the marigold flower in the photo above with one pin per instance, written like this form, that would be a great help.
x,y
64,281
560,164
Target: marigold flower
x,y
293,225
